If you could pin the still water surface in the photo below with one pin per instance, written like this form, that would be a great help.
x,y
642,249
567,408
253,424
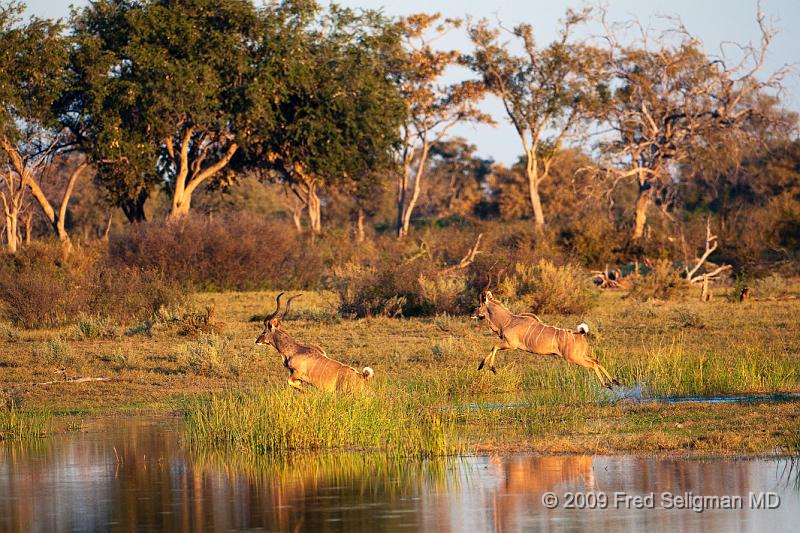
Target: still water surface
x,y
130,474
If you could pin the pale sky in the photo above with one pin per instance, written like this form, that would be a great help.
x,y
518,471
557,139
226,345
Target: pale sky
x,y
714,21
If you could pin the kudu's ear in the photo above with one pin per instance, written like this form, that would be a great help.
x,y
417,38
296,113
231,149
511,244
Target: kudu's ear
x,y
489,296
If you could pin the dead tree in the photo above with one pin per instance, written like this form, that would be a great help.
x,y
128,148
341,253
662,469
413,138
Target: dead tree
x,y
694,275
467,259
673,97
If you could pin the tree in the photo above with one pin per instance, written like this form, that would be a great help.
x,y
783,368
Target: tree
x,y
30,134
160,92
547,92
669,97
457,179
432,109
337,113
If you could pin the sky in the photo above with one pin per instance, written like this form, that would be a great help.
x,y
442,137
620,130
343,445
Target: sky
x,y
714,21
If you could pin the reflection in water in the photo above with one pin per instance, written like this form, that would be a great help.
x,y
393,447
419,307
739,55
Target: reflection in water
x,y
129,474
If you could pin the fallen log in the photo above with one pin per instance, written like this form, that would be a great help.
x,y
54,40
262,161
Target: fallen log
x,y
74,380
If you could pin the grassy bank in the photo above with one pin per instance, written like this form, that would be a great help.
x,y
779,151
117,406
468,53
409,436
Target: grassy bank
x,y
424,367
275,421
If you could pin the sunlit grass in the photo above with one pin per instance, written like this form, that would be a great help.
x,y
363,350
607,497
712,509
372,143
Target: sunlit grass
x,y
18,425
277,420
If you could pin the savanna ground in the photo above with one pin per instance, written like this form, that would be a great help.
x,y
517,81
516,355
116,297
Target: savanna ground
x,y
427,388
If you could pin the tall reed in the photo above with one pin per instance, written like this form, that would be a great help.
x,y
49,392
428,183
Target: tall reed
x,y
18,425
277,420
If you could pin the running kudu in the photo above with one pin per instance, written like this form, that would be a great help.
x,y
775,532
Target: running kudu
x,y
309,363
527,332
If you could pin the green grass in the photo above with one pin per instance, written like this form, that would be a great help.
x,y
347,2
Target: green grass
x,y
18,425
277,420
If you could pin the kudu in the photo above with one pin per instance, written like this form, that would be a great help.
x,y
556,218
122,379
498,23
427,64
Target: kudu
x,y
527,332
309,364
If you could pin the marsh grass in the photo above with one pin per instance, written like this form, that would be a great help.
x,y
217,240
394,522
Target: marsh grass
x,y
277,420
670,369
463,383
16,425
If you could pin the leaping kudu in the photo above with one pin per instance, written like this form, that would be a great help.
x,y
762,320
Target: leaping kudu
x,y
309,364
527,332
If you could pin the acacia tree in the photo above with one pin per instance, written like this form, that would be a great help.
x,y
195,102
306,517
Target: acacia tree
x,y
668,98
338,114
432,108
547,92
159,93
30,134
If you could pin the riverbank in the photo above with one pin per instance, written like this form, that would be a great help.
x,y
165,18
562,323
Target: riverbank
x,y
657,349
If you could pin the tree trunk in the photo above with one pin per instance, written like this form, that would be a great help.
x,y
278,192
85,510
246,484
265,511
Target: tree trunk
x,y
181,203
28,228
532,169
12,234
185,184
134,207
360,225
57,220
642,204
402,183
297,213
412,202
314,209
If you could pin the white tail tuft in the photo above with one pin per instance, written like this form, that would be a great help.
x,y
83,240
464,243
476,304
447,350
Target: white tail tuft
x,y
367,372
583,327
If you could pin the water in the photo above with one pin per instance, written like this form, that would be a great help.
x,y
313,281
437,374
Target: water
x,y
134,474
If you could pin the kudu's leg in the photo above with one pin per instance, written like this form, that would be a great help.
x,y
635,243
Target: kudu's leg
x,y
590,363
490,358
296,384
601,377
611,380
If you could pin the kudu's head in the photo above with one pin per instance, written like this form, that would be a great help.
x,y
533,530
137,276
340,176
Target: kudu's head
x,y
484,299
272,322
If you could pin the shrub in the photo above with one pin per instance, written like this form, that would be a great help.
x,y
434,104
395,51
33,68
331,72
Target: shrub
x,y
683,317
772,285
38,288
547,288
54,352
661,283
447,293
369,291
204,356
90,327
236,252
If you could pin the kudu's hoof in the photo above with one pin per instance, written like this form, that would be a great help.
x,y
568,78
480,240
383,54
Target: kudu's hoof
x,y
616,382
494,371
